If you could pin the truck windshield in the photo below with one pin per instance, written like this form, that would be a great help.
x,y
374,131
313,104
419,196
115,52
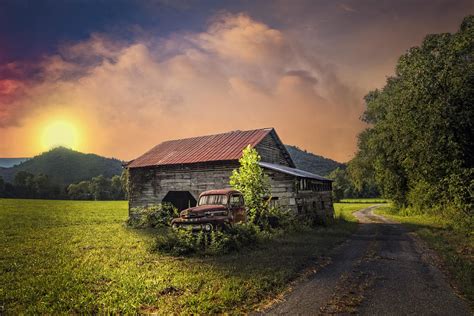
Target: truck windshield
x,y
213,199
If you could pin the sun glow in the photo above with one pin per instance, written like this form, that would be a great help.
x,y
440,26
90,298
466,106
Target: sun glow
x,y
60,133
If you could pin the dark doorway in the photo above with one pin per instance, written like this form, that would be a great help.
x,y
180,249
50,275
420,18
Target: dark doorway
x,y
180,199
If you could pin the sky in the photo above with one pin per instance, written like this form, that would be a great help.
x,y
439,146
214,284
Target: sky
x,y
116,77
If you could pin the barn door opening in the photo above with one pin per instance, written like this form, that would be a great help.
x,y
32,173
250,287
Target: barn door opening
x,y
180,199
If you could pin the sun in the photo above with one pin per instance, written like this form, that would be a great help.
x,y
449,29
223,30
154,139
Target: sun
x,y
60,133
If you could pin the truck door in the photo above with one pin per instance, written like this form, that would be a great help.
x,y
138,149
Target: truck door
x,y
238,208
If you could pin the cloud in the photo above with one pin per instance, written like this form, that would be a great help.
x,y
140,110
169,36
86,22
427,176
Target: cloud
x,y
346,7
238,74
239,38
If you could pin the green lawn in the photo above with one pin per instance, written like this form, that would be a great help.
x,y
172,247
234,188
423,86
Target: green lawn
x,y
78,257
366,200
456,248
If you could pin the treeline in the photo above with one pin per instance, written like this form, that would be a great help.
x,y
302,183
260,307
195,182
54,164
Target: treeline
x,y
419,149
98,188
31,186
348,185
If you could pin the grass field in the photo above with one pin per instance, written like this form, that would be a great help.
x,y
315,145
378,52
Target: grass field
x,y
78,257
456,248
366,200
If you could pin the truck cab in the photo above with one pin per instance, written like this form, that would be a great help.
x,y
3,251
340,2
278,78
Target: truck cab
x,y
216,209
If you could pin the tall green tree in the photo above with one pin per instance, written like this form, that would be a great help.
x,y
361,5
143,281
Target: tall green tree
x,y
42,187
420,144
342,186
80,191
24,184
116,188
2,187
100,187
253,183
125,179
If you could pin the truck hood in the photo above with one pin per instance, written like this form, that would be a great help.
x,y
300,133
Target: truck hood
x,y
201,210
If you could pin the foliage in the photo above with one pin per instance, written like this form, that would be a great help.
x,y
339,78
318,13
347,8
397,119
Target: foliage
x,y
283,219
80,191
64,166
419,147
253,183
218,242
313,163
77,257
158,215
365,200
348,185
125,182
342,186
2,186
62,173
98,188
28,185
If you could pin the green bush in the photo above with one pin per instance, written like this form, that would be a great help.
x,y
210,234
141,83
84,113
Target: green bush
x,y
184,242
152,216
422,196
279,218
457,199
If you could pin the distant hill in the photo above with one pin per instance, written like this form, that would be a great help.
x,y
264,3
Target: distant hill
x,y
313,163
10,162
65,166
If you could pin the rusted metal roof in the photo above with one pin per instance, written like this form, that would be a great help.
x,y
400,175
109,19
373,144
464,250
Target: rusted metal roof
x,y
219,147
292,171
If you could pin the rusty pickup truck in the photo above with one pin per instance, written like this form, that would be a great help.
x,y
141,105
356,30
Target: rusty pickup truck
x,y
216,209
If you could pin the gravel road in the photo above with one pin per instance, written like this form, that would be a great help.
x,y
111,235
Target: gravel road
x,y
380,270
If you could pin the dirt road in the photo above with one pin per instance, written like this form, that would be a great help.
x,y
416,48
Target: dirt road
x,y
380,270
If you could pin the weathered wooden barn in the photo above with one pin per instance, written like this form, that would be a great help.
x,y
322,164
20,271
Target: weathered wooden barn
x,y
177,171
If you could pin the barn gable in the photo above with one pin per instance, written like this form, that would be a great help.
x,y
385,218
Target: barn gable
x,y
272,150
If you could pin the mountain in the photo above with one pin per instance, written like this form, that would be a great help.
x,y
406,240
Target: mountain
x,y
313,163
10,162
65,166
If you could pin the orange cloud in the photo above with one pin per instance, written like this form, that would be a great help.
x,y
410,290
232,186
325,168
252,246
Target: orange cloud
x,y
239,74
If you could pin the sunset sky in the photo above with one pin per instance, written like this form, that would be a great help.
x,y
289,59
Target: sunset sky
x,y
117,77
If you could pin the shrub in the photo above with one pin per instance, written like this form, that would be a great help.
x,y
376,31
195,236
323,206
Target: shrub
x,y
276,217
176,242
184,242
457,199
422,196
158,215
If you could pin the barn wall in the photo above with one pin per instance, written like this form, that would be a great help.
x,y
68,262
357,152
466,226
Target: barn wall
x,y
301,202
311,203
270,151
150,185
283,187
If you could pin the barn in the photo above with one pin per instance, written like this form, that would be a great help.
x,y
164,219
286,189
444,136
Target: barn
x,y
177,171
